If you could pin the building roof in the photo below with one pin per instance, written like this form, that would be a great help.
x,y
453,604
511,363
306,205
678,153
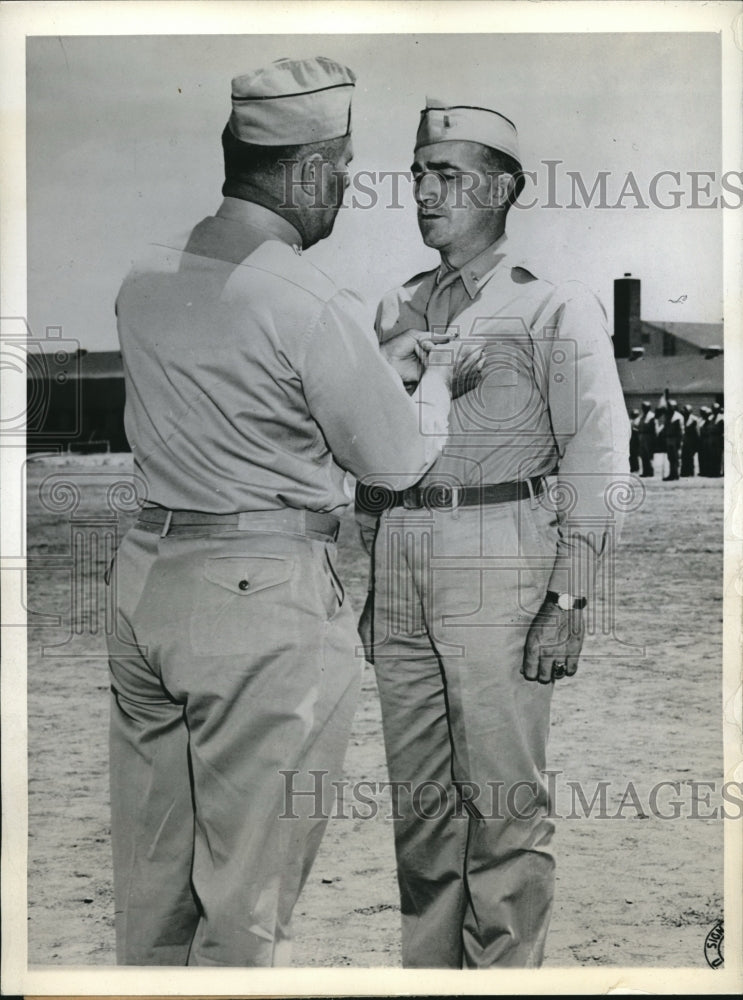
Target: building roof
x,y
701,335
101,364
682,373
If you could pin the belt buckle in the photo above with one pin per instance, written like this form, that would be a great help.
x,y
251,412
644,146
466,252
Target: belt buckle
x,y
411,498
443,497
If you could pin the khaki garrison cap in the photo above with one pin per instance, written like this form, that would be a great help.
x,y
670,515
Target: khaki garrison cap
x,y
441,122
291,102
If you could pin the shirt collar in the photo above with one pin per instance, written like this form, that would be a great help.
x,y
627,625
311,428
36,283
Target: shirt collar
x,y
249,213
476,272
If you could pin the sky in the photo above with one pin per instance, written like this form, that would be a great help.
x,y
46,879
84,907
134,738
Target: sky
x,y
123,147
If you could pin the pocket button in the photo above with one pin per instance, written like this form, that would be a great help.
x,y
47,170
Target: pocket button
x,y
243,584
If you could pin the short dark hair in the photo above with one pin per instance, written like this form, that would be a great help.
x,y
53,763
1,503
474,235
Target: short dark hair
x,y
243,160
497,162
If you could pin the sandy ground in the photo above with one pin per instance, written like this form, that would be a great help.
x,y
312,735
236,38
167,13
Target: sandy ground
x,y
633,889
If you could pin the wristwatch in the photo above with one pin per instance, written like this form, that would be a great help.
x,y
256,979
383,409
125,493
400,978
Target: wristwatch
x,y
567,602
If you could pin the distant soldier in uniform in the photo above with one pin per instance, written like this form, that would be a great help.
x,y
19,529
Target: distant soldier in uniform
x,y
252,385
690,444
706,430
717,449
674,435
661,411
646,432
634,442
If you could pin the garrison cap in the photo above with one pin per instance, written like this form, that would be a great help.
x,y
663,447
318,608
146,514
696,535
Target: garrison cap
x,y
441,122
292,102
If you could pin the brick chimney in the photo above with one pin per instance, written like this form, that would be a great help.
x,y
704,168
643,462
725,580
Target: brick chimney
x,y
627,333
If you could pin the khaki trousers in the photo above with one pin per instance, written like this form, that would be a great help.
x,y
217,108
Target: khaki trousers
x,y
465,734
233,660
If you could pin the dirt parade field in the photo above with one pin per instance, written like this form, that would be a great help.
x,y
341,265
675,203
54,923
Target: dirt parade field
x,y
639,880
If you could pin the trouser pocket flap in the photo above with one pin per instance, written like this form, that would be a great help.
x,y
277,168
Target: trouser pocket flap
x,y
248,574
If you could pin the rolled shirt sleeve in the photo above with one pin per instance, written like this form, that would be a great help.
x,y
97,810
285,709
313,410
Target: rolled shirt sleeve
x,y
591,430
372,427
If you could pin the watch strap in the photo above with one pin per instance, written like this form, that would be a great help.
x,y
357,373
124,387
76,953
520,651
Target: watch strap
x,y
578,602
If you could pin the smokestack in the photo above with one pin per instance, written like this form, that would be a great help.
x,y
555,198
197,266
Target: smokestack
x,y
627,334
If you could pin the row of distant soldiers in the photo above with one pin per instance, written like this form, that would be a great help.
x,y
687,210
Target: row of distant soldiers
x,y
680,435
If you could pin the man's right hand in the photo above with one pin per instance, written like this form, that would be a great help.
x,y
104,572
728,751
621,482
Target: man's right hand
x,y
414,351
405,354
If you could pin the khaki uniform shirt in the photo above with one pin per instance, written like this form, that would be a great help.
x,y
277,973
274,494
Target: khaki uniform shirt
x,y
252,382
549,400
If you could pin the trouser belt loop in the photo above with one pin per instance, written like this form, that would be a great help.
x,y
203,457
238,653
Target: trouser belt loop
x,y
541,491
537,486
166,523
455,492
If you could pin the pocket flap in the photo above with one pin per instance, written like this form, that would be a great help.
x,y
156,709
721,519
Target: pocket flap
x,y
248,575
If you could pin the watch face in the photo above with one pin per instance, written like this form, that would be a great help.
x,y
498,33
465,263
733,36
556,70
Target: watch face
x,y
565,602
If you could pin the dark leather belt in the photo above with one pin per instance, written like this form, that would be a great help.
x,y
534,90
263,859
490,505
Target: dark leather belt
x,y
287,520
441,496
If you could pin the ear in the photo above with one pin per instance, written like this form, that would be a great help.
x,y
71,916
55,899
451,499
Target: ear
x,y
310,171
504,185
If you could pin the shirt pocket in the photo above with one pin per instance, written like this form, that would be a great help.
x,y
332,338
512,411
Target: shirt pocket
x,y
241,602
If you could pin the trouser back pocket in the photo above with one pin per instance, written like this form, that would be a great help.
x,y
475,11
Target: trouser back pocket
x,y
237,596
